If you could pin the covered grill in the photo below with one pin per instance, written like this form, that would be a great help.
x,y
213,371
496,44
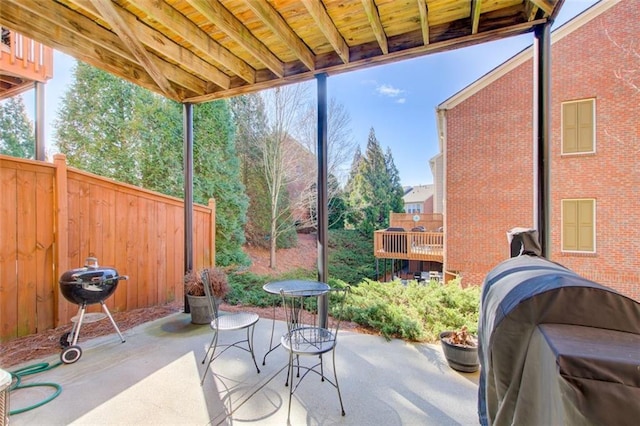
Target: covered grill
x,y
84,286
556,348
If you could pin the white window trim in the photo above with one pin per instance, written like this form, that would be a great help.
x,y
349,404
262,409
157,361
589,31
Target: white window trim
x,y
595,224
562,104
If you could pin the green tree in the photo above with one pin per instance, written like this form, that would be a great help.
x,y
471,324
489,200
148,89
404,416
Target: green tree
x,y
375,189
217,175
17,138
98,128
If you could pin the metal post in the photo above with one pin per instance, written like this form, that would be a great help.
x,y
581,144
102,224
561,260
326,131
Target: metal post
x,y
542,104
187,118
323,211
39,154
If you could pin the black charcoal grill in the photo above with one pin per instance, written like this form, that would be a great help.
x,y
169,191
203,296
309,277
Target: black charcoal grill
x,y
84,286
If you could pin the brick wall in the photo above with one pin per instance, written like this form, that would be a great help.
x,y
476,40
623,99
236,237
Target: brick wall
x,y
489,164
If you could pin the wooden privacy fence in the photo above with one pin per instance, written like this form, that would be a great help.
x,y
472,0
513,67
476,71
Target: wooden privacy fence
x,y
52,217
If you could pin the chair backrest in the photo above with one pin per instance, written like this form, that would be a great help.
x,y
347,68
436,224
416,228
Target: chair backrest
x,y
211,300
301,309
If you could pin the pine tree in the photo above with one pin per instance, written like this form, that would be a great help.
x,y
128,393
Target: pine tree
x,y
17,137
217,175
374,189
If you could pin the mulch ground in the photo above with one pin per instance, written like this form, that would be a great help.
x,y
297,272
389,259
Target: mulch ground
x,y
41,345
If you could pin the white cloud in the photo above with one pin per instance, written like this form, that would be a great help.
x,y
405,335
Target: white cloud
x,y
389,91
401,100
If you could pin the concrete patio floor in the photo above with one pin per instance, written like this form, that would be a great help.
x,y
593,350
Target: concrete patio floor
x,y
154,378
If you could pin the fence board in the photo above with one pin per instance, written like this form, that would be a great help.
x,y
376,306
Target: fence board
x,y
132,247
121,239
8,282
45,286
26,249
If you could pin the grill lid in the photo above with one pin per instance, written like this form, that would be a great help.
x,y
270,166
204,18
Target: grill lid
x,y
90,274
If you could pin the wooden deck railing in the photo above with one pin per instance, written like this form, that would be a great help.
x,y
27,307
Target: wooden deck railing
x,y
53,217
24,57
409,245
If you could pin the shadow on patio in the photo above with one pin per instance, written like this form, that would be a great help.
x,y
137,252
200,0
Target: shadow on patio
x,y
154,378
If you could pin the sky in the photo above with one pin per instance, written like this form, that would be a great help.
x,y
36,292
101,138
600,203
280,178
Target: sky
x,y
397,100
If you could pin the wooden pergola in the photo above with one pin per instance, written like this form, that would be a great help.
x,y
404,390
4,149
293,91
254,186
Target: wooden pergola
x,y
196,51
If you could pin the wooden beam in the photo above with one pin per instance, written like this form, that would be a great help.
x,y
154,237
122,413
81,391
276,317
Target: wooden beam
x,y
475,15
279,26
219,16
325,24
130,39
546,5
376,25
162,44
424,20
206,47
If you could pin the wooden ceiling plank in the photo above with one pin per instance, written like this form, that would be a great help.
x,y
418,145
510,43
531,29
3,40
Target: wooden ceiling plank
x,y
424,20
475,15
279,26
219,16
111,15
325,24
546,5
160,43
374,20
208,48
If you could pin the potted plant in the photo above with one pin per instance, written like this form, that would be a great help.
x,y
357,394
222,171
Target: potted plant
x,y
194,289
460,348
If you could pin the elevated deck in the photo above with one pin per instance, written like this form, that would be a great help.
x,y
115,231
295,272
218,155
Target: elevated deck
x,y
409,245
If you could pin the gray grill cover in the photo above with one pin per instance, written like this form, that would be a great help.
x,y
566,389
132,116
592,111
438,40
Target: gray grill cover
x,y
536,367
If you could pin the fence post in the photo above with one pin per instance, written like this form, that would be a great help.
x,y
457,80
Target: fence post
x,y
212,235
61,224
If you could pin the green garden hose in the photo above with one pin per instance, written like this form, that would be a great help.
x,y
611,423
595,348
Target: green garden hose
x,y
33,369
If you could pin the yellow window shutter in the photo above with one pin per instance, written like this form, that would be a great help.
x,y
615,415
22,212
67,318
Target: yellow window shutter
x,y
585,126
585,225
569,127
569,225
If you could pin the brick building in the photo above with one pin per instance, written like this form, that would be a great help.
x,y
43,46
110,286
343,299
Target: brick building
x,y
487,152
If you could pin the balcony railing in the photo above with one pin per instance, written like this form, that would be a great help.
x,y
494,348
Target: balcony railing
x,y
409,245
23,61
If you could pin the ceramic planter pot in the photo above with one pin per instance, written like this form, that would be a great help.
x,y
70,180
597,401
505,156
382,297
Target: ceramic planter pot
x,y
460,358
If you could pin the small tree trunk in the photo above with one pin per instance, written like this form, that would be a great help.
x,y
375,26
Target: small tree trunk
x,y
272,243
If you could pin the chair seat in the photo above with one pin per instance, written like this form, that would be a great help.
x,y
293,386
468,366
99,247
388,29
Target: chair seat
x,y
309,341
235,321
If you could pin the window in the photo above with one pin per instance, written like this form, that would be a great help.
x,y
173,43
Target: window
x,y
578,225
578,127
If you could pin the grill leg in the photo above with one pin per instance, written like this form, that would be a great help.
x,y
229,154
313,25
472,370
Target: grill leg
x,y
75,330
106,311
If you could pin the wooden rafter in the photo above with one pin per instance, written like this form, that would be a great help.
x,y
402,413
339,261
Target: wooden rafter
x,y
229,24
111,15
546,5
376,25
326,25
279,26
206,47
424,20
531,10
475,15
162,44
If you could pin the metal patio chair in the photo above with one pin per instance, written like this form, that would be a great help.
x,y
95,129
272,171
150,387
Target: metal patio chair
x,y
224,323
305,337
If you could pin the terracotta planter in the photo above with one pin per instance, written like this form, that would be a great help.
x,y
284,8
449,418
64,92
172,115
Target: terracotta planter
x,y
460,358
